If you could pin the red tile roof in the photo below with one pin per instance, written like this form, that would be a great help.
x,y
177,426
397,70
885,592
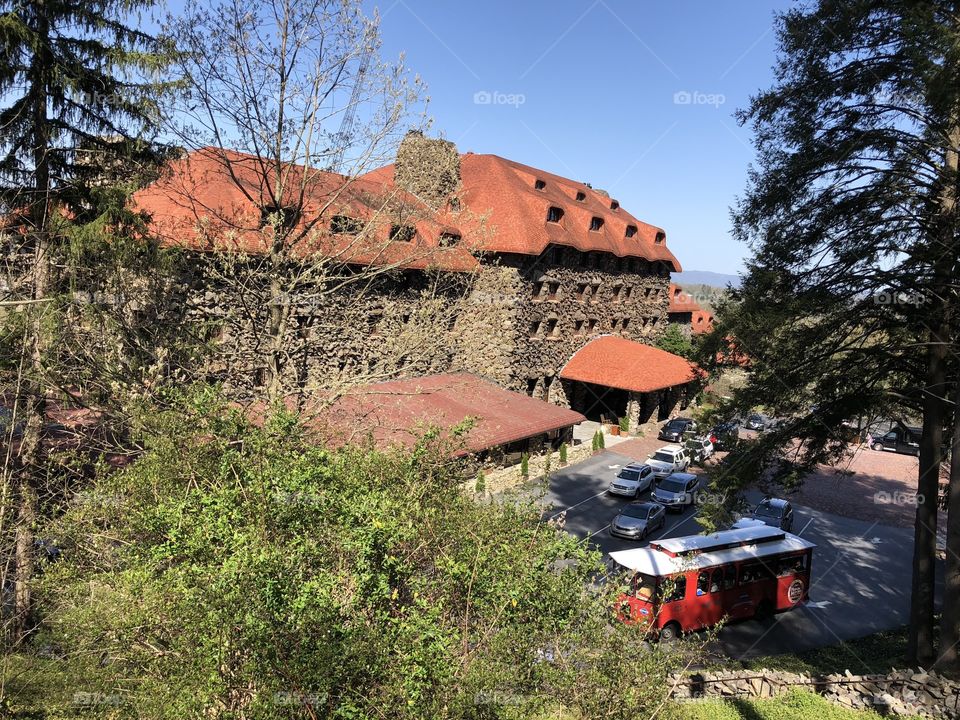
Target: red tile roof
x,y
617,362
503,194
680,301
396,412
198,204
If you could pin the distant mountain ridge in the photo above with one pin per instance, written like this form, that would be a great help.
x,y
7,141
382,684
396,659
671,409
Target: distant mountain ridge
x,y
705,277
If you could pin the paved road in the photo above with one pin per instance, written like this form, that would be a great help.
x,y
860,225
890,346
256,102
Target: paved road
x,y
861,570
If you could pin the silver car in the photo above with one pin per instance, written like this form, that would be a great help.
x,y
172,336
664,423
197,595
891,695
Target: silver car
x,y
637,520
631,480
677,492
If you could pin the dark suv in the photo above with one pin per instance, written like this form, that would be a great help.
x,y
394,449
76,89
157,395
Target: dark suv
x,y
673,431
901,439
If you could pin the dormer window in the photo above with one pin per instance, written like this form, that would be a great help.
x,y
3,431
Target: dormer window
x,y
581,196
403,233
596,224
631,231
345,225
448,239
554,214
614,205
539,184
283,218
660,238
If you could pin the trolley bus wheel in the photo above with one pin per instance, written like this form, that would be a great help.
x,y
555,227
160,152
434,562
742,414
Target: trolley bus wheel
x,y
764,610
669,632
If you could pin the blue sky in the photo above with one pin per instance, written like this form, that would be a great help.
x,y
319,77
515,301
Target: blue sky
x,y
635,97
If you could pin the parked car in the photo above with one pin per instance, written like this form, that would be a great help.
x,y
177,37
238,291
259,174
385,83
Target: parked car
x,y
775,513
725,435
637,520
673,431
698,448
756,422
667,460
903,439
632,480
677,492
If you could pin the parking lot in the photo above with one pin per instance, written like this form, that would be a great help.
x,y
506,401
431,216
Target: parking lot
x,y
861,568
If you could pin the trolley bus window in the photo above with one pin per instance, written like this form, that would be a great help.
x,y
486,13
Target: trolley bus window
x,y
716,580
703,582
729,577
754,572
644,586
791,565
674,588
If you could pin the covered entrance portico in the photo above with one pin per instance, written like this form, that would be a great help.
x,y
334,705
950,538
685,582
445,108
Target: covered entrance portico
x,y
612,377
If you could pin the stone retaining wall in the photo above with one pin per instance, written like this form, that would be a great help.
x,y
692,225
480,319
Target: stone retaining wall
x,y
900,692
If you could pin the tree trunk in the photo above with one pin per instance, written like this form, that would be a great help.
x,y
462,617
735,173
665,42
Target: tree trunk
x,y
949,661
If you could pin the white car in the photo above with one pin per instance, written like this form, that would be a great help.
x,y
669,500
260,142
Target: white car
x,y
632,480
699,448
668,460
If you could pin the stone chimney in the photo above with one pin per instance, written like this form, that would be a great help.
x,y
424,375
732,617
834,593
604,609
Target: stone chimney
x,y
429,168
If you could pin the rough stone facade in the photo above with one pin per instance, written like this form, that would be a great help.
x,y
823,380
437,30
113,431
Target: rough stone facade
x,y
902,692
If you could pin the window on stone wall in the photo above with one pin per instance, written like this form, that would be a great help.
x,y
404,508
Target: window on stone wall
x,y
534,328
545,387
578,327
592,325
631,231
653,322
595,292
613,323
405,318
596,224
617,290
553,290
550,327
581,291
346,225
282,217
625,323
614,205
537,290
581,196
660,238
539,184
260,377
628,292
554,214
448,239
531,386
402,233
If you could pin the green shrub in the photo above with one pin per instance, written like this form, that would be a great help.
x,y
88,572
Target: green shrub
x,y
601,442
242,571
624,424
481,484
525,465
563,453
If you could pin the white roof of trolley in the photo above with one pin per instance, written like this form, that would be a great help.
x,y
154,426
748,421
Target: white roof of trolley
x,y
675,555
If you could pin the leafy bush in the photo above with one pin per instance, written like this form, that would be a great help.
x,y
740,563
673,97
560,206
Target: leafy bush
x,y
241,571
563,453
525,465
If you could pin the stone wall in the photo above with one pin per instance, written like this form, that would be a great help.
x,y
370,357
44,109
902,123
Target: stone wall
x,y
901,692
540,310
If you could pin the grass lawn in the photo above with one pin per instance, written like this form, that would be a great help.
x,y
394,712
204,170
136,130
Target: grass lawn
x,y
876,653
793,705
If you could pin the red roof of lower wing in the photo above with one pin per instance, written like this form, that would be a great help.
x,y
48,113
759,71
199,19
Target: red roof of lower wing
x,y
617,362
397,412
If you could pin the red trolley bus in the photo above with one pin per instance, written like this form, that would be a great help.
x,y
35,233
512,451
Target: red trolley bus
x,y
689,583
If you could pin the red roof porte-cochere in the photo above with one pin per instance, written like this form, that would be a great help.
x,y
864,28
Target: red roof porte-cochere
x,y
617,362
396,412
